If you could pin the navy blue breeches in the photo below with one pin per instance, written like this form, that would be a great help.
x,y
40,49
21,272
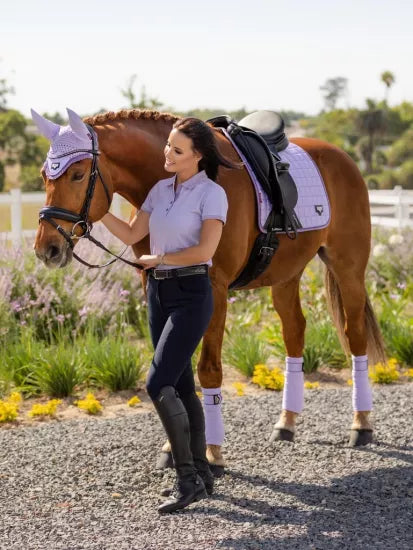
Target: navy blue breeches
x,y
179,311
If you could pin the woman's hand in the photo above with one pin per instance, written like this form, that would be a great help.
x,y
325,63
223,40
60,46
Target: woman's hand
x,y
149,260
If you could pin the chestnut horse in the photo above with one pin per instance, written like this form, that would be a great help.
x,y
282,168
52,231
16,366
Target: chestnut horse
x,y
131,144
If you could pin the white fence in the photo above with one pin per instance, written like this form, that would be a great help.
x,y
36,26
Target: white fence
x,y
388,208
392,208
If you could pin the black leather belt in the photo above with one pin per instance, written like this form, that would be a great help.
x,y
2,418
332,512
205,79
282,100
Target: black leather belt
x,y
179,272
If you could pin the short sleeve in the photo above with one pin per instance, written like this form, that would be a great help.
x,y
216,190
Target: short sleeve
x,y
148,203
215,204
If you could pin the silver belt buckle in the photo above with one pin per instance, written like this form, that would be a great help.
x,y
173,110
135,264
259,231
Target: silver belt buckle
x,y
162,274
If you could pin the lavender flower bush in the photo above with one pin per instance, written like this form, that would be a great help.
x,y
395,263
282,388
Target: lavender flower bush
x,y
70,300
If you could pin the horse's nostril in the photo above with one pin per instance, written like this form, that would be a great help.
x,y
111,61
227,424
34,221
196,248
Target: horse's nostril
x,y
52,252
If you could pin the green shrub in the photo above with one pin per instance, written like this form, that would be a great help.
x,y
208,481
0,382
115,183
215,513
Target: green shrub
x,y
56,373
112,363
243,350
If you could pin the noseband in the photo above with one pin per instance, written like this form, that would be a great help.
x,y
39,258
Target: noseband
x,y
47,213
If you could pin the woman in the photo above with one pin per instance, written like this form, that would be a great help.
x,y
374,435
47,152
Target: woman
x,y
184,216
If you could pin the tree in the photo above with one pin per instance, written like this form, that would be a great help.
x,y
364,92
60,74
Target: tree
x,y
371,123
388,79
56,118
19,147
144,102
337,127
402,149
31,158
12,134
333,89
5,90
2,177
405,174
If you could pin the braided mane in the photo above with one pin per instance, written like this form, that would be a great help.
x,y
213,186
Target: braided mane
x,y
125,114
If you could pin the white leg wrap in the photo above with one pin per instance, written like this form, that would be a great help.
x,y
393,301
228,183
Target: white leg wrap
x,y
293,395
214,424
362,394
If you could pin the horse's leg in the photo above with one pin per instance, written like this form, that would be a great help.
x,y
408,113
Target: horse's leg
x,y
210,377
346,291
286,300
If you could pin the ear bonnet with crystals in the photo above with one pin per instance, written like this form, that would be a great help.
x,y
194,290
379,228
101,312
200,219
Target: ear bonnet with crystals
x,y
68,144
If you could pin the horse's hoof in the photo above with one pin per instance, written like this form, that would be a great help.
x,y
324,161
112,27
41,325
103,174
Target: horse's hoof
x,y
360,437
281,434
217,471
165,460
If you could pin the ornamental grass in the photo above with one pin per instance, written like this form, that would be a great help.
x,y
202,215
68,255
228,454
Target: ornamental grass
x,y
243,350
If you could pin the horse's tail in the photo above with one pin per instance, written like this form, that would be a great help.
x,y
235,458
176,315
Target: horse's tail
x,y
375,343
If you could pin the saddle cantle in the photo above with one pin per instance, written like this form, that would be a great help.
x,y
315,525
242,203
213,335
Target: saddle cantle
x,y
270,126
260,136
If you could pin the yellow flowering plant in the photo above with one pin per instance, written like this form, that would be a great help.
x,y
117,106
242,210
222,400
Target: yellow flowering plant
x,y
90,404
311,385
239,387
8,411
133,401
45,409
384,373
271,379
9,407
409,374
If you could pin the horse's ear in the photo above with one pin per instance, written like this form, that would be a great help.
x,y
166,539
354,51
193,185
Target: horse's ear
x,y
77,124
46,127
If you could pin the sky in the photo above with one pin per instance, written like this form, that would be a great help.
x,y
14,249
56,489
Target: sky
x,y
257,54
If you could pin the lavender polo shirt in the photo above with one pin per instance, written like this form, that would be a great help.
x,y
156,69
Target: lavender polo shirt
x,y
176,218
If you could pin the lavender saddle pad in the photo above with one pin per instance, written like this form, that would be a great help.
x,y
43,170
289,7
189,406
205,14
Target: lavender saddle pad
x,y
313,207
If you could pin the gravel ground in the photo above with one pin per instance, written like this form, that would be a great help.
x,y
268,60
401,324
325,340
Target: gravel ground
x,y
90,484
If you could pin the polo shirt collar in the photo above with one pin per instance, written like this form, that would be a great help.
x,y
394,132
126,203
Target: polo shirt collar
x,y
191,182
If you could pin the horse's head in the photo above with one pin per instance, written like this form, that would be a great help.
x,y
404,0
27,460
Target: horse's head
x,y
78,188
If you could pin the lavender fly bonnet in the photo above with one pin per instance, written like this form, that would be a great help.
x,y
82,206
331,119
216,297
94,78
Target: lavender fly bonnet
x,y
68,144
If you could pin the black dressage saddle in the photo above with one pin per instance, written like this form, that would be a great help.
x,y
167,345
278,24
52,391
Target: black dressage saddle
x,y
260,136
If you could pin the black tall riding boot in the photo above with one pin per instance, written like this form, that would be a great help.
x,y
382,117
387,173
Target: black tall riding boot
x,y
196,418
189,486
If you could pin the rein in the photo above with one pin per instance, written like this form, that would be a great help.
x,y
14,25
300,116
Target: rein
x,y
47,213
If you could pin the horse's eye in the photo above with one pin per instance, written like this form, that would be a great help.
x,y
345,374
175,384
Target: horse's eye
x,y
77,176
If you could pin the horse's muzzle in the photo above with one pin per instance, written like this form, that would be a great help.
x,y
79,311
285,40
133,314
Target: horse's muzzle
x,y
55,255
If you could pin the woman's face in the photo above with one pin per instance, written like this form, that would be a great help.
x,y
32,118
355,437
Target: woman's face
x,y
179,154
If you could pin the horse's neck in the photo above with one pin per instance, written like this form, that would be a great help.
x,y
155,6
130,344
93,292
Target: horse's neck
x,y
135,157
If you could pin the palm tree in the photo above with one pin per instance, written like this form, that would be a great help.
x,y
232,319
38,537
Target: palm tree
x,y
371,123
388,79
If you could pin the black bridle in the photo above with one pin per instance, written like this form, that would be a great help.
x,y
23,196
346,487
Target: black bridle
x,y
47,213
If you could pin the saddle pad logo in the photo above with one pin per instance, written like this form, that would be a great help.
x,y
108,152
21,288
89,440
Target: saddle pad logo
x,y
319,208
55,165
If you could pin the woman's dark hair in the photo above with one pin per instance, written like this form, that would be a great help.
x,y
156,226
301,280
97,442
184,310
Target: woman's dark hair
x,y
203,141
